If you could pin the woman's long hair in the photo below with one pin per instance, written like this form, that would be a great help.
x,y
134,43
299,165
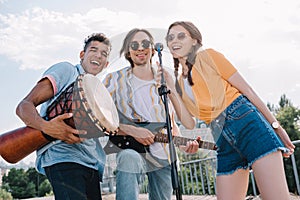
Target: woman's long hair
x,y
195,34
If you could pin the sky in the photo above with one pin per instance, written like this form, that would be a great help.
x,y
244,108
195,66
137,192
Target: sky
x,y
261,38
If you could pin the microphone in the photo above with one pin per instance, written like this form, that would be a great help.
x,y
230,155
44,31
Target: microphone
x,y
158,47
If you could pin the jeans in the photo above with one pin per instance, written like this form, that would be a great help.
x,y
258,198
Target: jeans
x,y
72,181
131,167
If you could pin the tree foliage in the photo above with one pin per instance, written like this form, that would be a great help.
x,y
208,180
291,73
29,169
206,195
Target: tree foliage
x,y
38,179
18,184
289,118
4,195
45,188
25,184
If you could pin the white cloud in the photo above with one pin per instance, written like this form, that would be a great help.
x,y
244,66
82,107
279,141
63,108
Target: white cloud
x,y
37,37
30,37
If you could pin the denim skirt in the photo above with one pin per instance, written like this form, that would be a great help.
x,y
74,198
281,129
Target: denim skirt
x,y
242,135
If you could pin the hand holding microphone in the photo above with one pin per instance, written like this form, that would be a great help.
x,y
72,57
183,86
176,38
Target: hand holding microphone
x,y
162,76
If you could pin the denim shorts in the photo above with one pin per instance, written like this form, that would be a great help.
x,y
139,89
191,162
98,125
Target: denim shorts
x,y
243,136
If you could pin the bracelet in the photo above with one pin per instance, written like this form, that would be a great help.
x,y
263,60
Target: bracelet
x,y
48,137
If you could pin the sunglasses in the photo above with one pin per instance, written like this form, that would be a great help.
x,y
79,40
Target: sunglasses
x,y
180,36
135,45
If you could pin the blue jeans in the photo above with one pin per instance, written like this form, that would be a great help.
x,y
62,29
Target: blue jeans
x,y
131,167
71,181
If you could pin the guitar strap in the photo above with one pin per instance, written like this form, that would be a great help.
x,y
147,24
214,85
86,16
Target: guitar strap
x,y
151,159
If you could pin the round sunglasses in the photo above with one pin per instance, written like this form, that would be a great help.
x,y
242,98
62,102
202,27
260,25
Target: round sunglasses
x,y
134,45
180,36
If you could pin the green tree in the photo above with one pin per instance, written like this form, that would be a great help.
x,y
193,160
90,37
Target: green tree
x,y
37,179
45,188
26,184
288,116
4,195
17,183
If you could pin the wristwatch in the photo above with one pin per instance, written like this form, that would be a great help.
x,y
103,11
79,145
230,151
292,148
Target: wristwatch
x,y
275,125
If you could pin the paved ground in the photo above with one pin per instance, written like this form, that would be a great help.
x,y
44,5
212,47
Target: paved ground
x,y
191,197
184,197
141,197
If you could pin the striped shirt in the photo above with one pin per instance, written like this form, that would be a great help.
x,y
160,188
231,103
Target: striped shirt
x,y
139,101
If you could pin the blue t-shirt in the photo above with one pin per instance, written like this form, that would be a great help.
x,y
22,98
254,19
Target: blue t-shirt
x,y
89,152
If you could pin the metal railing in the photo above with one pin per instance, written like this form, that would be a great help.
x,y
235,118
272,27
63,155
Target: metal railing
x,y
295,170
197,177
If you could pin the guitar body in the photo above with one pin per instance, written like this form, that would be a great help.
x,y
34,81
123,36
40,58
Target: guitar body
x,y
19,143
117,143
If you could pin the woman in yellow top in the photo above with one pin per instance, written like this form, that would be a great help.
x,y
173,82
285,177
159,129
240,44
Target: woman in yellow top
x,y
245,131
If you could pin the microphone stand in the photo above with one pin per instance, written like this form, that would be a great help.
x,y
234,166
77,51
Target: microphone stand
x,y
163,92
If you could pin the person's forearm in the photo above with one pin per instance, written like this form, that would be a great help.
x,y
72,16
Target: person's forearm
x,y
28,113
183,114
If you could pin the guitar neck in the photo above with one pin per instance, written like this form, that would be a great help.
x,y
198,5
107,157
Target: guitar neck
x,y
196,131
177,140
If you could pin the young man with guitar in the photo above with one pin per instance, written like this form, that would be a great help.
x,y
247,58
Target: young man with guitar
x,y
136,96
